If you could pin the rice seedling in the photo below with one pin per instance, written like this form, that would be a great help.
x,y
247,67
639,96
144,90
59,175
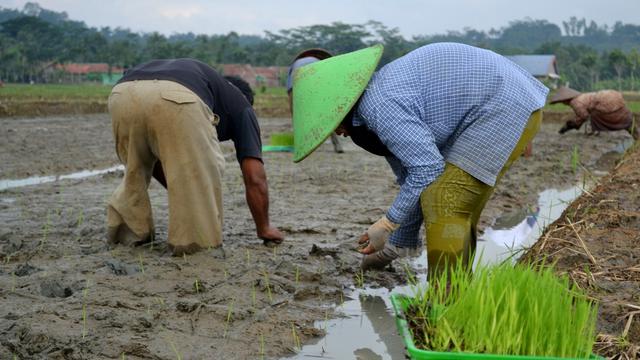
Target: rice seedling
x,y
297,274
326,319
173,347
360,279
521,310
261,346
123,358
266,282
80,219
411,277
295,337
575,159
248,256
141,263
229,315
196,286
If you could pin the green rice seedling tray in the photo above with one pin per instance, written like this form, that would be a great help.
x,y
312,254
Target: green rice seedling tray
x,y
400,303
277,148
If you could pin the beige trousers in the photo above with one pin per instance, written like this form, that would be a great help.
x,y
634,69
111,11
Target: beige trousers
x,y
163,120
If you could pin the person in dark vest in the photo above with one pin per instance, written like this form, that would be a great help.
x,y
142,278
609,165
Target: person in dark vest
x,y
605,110
168,119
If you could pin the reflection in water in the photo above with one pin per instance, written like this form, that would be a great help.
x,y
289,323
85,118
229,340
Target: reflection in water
x,y
508,240
368,331
36,180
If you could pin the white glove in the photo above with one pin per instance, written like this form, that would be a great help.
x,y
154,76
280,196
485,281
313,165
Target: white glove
x,y
377,235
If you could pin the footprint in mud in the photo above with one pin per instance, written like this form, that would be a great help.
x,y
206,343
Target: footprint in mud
x,y
121,268
25,270
53,288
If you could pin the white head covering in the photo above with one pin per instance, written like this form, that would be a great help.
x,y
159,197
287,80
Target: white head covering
x,y
296,65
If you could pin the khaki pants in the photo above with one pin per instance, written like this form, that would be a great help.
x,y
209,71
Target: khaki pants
x,y
452,204
163,120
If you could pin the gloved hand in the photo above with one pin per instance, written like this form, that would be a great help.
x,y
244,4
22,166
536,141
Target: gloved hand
x,y
569,125
377,235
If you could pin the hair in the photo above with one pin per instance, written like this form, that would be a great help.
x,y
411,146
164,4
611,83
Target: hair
x,y
242,85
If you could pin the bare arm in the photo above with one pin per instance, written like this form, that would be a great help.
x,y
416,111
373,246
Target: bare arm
x,y
257,194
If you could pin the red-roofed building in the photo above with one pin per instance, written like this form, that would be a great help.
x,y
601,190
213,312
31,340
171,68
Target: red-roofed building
x,y
83,72
100,68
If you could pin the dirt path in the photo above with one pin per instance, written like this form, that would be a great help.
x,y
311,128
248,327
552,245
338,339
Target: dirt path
x,y
64,294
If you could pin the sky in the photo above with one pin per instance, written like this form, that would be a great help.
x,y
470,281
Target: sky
x,y
411,17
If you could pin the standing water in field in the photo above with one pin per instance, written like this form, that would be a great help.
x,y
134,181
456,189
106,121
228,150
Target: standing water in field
x,y
37,180
367,327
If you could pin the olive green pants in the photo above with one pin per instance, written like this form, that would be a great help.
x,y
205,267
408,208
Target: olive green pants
x,y
452,204
163,120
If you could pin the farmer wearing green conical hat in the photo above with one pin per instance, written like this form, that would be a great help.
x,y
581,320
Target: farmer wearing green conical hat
x,y
305,57
605,110
449,119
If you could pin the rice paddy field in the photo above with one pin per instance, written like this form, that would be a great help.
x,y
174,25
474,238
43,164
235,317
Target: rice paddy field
x,y
64,294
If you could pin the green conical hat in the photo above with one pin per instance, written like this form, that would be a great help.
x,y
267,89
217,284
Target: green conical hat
x,y
324,92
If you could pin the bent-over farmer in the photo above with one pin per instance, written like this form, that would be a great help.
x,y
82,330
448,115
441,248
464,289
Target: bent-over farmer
x,y
306,57
449,119
168,118
605,110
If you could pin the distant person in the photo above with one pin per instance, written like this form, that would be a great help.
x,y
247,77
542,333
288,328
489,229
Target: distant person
x,y
450,119
306,57
605,110
168,118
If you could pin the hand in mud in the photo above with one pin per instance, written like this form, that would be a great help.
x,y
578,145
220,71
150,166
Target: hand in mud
x,y
271,235
377,235
569,125
363,245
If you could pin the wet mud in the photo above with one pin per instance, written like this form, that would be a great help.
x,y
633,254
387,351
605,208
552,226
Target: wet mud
x,y
66,295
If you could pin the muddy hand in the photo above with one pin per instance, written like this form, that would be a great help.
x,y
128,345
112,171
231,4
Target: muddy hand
x,y
271,235
363,244
377,235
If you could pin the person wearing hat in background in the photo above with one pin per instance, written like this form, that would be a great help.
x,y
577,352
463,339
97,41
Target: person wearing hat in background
x,y
306,57
605,110
168,118
449,118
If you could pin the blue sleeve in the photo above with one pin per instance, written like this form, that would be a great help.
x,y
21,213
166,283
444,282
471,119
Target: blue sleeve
x,y
398,170
409,138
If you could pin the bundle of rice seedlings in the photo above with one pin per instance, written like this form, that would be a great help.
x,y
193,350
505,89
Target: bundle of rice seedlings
x,y
507,310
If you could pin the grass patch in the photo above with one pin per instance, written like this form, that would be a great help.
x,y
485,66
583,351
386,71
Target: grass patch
x,y
503,310
54,91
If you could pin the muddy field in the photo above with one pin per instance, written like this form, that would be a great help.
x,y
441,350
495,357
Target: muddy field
x,y
66,295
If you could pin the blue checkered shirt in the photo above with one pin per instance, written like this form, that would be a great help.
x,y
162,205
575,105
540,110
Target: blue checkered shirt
x,y
442,103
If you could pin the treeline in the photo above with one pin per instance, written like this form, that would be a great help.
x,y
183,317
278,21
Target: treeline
x,y
589,55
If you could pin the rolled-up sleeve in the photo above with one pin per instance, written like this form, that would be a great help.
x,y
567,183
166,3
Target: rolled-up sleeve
x,y
413,144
